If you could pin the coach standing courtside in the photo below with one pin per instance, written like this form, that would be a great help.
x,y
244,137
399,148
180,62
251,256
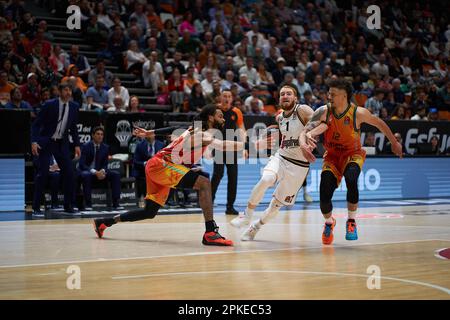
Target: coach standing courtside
x,y
50,135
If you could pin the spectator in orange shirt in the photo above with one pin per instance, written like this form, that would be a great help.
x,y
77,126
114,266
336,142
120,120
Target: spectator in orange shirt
x,y
72,71
5,88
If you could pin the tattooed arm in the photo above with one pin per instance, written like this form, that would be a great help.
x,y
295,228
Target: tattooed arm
x,y
316,126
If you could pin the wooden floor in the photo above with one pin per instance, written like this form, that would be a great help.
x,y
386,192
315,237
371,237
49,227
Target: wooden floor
x,y
164,258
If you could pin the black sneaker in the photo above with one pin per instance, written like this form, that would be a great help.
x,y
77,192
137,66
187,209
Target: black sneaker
x,y
232,211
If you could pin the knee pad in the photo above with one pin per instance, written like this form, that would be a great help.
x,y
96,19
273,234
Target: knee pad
x,y
328,184
351,175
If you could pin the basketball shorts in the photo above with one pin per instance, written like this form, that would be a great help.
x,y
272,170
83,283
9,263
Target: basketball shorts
x,y
162,175
336,163
290,178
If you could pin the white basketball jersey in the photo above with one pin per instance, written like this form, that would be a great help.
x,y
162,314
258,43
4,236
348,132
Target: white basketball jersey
x,y
290,129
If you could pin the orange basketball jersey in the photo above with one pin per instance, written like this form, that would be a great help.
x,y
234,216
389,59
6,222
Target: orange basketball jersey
x,y
342,136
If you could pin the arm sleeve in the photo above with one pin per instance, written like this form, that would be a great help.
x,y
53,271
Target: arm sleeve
x,y
240,118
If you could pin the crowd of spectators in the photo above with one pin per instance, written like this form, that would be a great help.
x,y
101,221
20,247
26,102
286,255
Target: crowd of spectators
x,y
186,52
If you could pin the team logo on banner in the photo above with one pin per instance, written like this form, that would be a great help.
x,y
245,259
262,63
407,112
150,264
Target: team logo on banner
x,y
123,132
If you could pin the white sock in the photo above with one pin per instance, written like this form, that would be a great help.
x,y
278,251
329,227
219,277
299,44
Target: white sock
x,y
271,211
329,220
257,224
352,214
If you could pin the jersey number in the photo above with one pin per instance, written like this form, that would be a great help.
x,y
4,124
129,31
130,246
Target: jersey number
x,y
287,126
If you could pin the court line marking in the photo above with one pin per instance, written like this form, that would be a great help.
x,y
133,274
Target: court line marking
x,y
212,253
425,284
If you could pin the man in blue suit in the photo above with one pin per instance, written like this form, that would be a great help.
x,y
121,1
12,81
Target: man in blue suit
x,y
93,165
145,150
50,136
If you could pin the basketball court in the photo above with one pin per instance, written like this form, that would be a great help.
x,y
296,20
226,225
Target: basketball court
x,y
400,254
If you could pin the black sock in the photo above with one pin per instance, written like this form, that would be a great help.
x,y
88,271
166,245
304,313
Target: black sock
x,y
211,226
109,221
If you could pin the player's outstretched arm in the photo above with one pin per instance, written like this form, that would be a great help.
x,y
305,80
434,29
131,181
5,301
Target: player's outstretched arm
x,y
227,145
364,115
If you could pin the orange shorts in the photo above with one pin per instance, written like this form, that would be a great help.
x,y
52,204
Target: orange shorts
x,y
336,163
161,176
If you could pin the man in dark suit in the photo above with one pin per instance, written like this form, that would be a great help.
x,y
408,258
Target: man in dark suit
x,y
145,150
50,136
93,165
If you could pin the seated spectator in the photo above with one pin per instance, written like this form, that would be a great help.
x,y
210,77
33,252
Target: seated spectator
x,y
153,18
237,103
118,91
389,102
255,109
176,63
214,96
211,64
47,77
72,71
171,34
254,96
369,141
421,114
197,101
399,113
301,84
93,166
16,101
188,45
100,70
117,44
96,96
14,74
5,88
135,59
444,96
176,90
117,105
207,83
80,61
244,84
144,151
45,95
433,147
134,104
388,150
384,114
374,104
399,96
31,90
190,80
433,114
266,77
250,71
152,73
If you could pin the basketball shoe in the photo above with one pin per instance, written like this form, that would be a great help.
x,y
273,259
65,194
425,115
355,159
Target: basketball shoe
x,y
327,235
213,238
351,230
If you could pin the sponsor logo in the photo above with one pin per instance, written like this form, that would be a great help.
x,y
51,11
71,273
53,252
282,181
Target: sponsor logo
x,y
123,132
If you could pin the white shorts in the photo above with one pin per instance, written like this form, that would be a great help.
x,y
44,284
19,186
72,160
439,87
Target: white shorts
x,y
290,178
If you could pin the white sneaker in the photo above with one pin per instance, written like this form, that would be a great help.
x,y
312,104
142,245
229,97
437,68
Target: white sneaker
x,y
307,197
240,221
250,233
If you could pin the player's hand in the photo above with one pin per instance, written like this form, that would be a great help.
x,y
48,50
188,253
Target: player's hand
x,y
142,133
397,149
35,149
311,141
77,152
307,151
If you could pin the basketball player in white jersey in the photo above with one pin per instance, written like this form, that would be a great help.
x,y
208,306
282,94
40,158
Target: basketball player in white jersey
x,y
287,169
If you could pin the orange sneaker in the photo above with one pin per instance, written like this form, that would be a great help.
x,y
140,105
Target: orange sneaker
x,y
327,235
99,227
214,238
